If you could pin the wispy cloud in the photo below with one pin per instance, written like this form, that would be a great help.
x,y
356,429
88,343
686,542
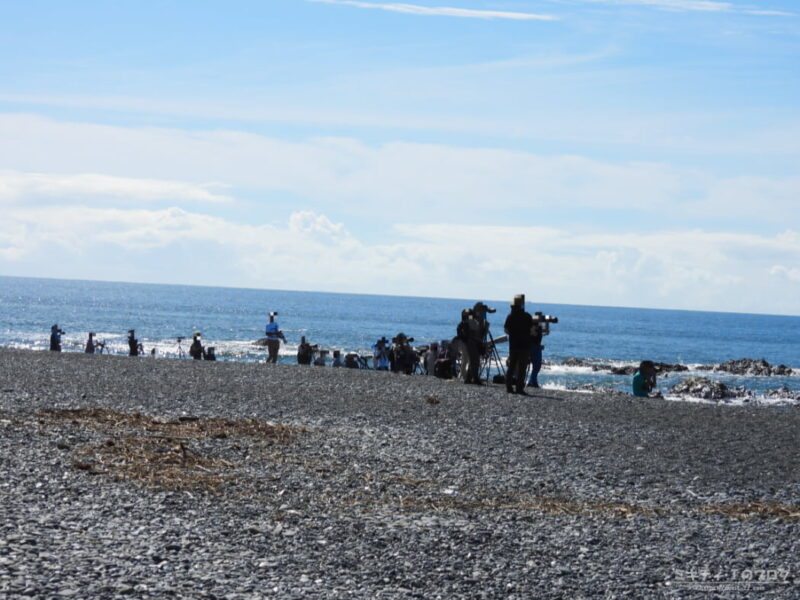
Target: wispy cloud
x,y
90,187
164,166
442,11
697,6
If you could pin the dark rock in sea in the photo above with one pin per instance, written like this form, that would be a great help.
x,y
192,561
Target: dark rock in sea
x,y
701,387
661,368
627,370
573,362
782,393
753,367
670,368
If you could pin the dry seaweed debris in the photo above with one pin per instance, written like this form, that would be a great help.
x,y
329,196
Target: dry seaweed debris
x,y
156,453
106,420
156,462
750,510
552,506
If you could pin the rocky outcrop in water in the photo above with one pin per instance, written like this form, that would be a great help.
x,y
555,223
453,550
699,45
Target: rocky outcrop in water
x,y
707,389
782,393
661,368
751,367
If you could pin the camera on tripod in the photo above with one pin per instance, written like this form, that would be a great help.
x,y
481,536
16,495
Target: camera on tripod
x,y
273,313
542,318
542,322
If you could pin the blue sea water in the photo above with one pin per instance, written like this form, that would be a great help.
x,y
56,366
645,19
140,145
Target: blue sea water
x,y
231,319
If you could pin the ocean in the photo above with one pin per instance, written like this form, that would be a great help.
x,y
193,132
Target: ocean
x,y
231,319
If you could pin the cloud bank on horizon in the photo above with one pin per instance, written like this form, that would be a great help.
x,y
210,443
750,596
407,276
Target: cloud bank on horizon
x,y
353,146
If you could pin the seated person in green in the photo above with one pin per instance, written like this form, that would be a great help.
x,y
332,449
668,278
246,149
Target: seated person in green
x,y
644,380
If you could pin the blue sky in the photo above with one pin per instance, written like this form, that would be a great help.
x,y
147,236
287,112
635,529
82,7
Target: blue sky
x,y
614,152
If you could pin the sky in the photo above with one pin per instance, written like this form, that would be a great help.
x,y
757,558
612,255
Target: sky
x,y
606,152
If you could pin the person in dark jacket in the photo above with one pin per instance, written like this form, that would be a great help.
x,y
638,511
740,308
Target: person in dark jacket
x,y
536,356
133,343
90,346
305,352
196,349
55,338
518,328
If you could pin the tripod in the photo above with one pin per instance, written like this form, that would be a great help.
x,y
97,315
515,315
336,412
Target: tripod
x,y
492,357
181,353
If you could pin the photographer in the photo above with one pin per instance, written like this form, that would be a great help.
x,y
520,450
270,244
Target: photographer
x,y
644,380
405,359
536,354
381,351
55,338
470,335
518,328
133,343
90,344
305,352
274,337
196,349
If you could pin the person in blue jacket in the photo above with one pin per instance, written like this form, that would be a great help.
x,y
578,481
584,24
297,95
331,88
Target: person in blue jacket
x,y
274,337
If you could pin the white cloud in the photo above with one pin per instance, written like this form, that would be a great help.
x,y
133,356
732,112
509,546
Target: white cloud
x,y
790,273
434,181
87,187
441,11
691,269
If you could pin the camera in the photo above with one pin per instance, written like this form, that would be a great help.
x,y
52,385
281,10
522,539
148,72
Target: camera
x,y
273,313
180,338
481,308
541,318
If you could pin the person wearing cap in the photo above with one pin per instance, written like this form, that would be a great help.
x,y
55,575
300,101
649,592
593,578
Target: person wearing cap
x,y
518,328
196,349
274,337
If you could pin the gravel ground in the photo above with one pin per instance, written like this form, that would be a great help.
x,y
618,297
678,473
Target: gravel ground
x,y
380,486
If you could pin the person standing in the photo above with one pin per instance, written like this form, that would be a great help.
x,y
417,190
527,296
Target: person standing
x,y
55,338
196,349
381,350
305,352
471,338
90,344
518,328
536,355
274,337
133,343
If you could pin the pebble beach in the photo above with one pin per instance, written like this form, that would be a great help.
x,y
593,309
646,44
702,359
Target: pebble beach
x,y
158,478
